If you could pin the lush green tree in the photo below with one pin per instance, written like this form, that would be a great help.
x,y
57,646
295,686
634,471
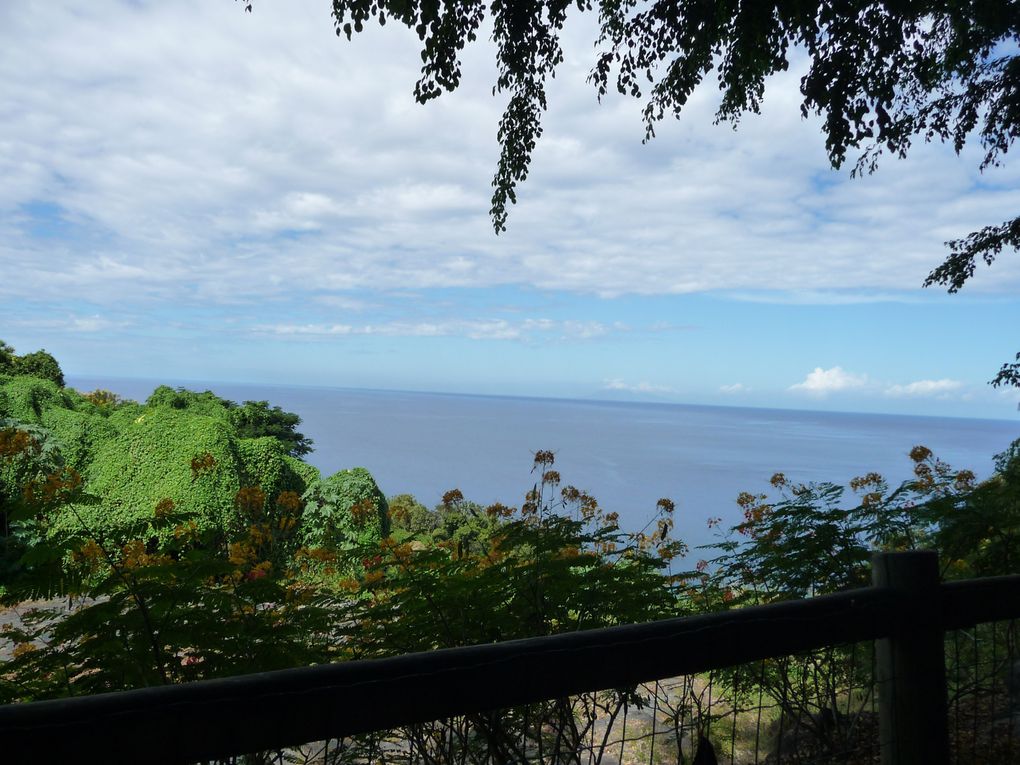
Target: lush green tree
x,y
467,526
344,510
978,532
1009,374
7,358
26,398
882,74
28,455
255,419
40,364
410,515
206,402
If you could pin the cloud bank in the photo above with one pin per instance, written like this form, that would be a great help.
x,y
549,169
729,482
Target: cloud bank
x,y
267,155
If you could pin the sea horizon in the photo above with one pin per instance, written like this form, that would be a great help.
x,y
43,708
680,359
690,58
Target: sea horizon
x,y
593,398
627,454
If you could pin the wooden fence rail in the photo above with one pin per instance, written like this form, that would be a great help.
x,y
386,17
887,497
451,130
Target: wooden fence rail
x,y
217,718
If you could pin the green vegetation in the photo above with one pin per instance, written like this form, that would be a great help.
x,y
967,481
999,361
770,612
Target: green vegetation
x,y
194,450
253,419
194,547
37,364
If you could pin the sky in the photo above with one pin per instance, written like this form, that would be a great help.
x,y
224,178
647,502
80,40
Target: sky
x,y
192,192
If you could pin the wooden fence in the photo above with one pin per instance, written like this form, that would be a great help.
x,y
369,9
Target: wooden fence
x,y
907,610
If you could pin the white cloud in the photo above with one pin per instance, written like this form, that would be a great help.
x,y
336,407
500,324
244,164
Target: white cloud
x,y
734,388
820,381
925,388
74,323
824,297
641,387
268,157
479,329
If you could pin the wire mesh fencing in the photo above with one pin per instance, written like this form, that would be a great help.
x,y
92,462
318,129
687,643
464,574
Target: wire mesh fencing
x,y
983,678
817,707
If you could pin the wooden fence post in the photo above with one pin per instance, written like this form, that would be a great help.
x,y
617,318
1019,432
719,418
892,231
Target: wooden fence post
x,y
913,725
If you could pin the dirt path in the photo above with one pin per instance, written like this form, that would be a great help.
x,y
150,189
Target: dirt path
x,y
14,616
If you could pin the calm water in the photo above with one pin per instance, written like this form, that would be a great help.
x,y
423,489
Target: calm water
x,y
627,455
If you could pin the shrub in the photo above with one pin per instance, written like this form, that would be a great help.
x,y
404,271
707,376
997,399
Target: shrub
x,y
410,515
25,398
255,419
344,510
80,435
206,403
149,460
7,358
42,365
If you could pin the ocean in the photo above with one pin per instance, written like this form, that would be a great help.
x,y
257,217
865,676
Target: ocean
x,y
627,455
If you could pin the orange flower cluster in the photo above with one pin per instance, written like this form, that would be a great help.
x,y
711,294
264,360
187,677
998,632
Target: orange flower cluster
x,y
871,498
319,554
349,585
745,499
240,554
864,481
21,649
544,457
136,556
499,510
920,453
607,547
164,507
452,497
570,493
90,555
289,501
363,511
54,488
202,464
925,479
250,500
102,398
187,531
14,442
964,480
401,551
589,506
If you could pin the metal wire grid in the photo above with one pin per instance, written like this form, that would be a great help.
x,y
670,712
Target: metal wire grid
x,y
818,707
983,678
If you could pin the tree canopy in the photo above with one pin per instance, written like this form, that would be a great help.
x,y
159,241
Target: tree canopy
x,y
37,364
882,74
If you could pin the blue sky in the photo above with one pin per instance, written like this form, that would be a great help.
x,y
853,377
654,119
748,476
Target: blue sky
x,y
192,192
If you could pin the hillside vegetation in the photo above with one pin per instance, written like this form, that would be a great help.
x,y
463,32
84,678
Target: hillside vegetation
x,y
194,450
